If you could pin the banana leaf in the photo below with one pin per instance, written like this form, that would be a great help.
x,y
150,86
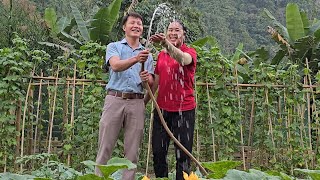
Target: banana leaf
x,y
80,23
294,22
103,22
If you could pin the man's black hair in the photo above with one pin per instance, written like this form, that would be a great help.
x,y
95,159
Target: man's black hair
x,y
132,14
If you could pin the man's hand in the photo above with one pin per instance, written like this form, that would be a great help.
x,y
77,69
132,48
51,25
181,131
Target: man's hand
x,y
144,76
143,56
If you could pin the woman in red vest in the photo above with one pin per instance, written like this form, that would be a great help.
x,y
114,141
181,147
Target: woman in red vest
x,y
174,78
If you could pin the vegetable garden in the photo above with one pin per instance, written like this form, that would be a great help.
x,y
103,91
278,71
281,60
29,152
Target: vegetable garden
x,y
255,110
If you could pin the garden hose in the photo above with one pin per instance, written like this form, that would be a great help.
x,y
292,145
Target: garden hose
x,y
146,85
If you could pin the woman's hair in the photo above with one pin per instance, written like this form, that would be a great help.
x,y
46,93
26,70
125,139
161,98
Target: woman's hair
x,y
181,23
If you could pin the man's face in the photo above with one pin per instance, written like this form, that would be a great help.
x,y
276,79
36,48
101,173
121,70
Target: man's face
x,y
133,27
175,34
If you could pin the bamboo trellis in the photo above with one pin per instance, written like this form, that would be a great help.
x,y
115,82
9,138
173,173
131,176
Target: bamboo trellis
x,y
41,83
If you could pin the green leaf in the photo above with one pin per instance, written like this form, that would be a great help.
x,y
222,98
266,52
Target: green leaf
x,y
285,176
50,18
206,40
317,36
90,177
80,22
54,45
67,147
71,38
89,163
278,57
68,28
305,21
253,174
115,164
10,176
220,168
236,55
315,27
121,161
314,174
294,22
103,22
63,23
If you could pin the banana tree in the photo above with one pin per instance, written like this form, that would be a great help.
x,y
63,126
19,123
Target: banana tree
x,y
96,29
299,39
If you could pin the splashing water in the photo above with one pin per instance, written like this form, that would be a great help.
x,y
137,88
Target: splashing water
x,y
178,154
163,11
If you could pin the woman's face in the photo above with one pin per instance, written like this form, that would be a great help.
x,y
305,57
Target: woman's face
x,y
175,34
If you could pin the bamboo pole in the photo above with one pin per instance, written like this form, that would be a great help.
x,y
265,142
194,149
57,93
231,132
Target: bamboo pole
x,y
197,121
30,124
53,83
251,118
5,163
211,122
24,118
288,124
50,114
270,121
53,111
241,128
72,107
149,138
18,129
65,104
309,118
82,94
37,115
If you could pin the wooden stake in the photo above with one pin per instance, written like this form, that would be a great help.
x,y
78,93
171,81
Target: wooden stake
x,y
251,118
309,118
30,113
5,163
211,122
72,106
37,115
270,121
18,129
53,111
149,138
24,118
197,121
241,128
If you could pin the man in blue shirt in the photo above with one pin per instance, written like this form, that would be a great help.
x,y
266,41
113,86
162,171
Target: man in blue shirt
x,y
124,103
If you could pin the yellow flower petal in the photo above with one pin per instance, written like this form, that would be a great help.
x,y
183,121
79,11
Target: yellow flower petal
x,y
185,176
145,178
193,176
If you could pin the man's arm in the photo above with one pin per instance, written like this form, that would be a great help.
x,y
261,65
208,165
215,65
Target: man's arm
x,y
118,65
